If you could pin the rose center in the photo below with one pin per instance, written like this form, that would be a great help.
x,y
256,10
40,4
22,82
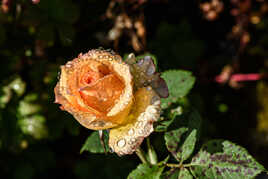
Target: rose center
x,y
95,74
101,88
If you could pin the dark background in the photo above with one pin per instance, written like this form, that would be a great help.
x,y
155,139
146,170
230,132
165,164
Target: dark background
x,y
209,38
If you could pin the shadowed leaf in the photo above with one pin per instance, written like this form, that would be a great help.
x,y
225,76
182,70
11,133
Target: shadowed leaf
x,y
93,143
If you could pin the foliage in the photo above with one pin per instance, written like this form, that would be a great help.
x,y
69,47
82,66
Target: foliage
x,y
216,159
179,83
93,143
230,161
145,171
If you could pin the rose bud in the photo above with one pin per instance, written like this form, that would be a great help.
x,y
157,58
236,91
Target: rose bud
x,y
102,91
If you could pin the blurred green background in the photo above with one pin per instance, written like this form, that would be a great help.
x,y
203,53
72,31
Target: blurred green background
x,y
213,39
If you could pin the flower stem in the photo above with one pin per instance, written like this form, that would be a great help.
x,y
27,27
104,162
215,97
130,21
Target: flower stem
x,y
141,155
175,165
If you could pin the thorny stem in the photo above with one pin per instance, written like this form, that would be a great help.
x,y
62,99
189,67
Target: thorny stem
x,y
140,154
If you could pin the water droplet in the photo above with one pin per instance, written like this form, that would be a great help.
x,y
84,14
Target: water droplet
x,y
121,143
152,110
149,88
157,102
131,132
150,69
155,99
111,150
133,140
120,153
140,62
141,131
139,124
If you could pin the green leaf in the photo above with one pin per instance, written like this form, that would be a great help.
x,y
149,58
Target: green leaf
x,y
5,96
34,125
185,174
93,143
164,161
179,83
18,86
145,171
188,146
173,138
173,173
224,160
180,150
28,105
190,119
163,125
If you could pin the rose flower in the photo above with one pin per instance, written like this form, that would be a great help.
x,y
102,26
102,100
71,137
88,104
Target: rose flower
x,y
103,92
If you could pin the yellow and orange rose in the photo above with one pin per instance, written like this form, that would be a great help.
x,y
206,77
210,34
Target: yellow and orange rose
x,y
103,92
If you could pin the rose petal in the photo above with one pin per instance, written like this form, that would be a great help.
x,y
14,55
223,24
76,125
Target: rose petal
x,y
86,74
146,110
103,94
160,86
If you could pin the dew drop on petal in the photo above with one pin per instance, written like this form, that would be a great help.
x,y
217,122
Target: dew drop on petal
x,y
121,143
131,132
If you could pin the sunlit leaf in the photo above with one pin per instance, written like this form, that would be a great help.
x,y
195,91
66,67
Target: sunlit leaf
x,y
173,138
179,84
224,160
185,174
162,125
18,86
27,105
173,173
34,126
187,147
5,96
144,171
